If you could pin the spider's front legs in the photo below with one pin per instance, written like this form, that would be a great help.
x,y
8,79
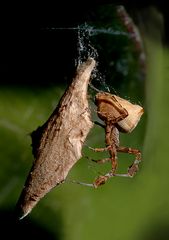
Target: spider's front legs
x,y
132,170
112,158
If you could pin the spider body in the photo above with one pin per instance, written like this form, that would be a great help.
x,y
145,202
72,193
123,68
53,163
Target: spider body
x,y
118,115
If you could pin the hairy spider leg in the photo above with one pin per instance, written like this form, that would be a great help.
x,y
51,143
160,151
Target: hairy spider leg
x,y
135,166
112,140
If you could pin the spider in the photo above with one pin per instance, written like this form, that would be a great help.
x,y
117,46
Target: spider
x,y
118,115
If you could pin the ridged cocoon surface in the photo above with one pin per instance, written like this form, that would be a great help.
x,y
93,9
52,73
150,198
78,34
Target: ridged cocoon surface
x,y
57,145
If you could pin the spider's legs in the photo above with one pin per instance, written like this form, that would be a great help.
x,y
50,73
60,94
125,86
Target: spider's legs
x,y
135,166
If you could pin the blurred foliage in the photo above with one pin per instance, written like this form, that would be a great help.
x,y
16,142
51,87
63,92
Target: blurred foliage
x,y
135,208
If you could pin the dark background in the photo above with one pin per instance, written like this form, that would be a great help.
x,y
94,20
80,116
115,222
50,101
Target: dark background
x,y
31,55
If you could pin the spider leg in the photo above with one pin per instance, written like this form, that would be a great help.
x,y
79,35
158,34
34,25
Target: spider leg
x,y
99,124
135,166
100,149
113,158
102,179
101,161
82,183
113,153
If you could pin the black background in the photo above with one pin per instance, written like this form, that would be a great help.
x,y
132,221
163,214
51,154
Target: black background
x,y
31,55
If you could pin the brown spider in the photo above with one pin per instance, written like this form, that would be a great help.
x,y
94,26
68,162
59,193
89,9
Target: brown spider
x,y
119,115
